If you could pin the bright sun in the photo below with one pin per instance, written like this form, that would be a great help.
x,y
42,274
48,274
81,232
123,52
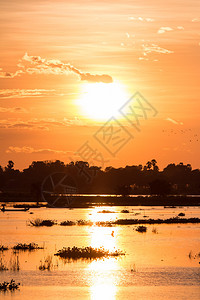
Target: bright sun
x,y
101,101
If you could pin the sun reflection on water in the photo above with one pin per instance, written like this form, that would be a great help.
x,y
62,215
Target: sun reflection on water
x,y
104,280
103,214
105,237
103,291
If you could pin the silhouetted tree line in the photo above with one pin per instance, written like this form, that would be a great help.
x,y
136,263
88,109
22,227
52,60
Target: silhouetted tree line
x,y
136,179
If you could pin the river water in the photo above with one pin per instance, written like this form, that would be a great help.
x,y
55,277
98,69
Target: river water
x,y
162,263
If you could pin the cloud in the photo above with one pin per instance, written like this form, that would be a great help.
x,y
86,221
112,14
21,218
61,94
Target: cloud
x,y
12,110
40,124
174,121
164,29
52,66
141,19
196,20
31,150
24,93
10,74
155,48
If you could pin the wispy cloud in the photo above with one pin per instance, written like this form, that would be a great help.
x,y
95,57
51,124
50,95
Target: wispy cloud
x,y
164,29
40,124
196,20
31,150
167,29
24,93
12,110
174,121
52,66
4,74
149,48
141,19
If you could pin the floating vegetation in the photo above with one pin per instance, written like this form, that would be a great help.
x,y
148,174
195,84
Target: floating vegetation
x,y
11,286
3,266
67,223
155,230
104,211
3,248
86,252
156,221
47,264
29,247
39,222
125,211
103,224
181,215
84,222
175,220
141,229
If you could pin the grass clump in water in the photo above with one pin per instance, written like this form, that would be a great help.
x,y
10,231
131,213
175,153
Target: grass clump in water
x,y
29,247
67,223
86,252
39,222
155,230
141,229
3,248
181,215
5,286
84,222
125,211
47,264
104,211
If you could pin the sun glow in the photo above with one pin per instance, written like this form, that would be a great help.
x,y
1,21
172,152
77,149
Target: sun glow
x,y
101,101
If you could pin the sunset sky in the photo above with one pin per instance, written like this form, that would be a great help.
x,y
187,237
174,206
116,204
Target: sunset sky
x,y
68,67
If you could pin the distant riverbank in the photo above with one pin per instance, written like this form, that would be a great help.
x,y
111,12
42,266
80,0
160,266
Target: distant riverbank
x,y
83,200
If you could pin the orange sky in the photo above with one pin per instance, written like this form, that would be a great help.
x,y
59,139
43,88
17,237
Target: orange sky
x,y
54,52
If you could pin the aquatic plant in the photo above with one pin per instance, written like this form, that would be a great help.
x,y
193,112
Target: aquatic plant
x,y
3,248
125,211
67,223
175,220
86,252
103,224
4,286
47,264
14,263
156,221
155,230
181,214
104,211
39,222
3,266
191,256
84,222
29,247
141,229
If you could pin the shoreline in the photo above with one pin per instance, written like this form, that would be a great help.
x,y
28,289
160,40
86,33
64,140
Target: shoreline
x,y
86,201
